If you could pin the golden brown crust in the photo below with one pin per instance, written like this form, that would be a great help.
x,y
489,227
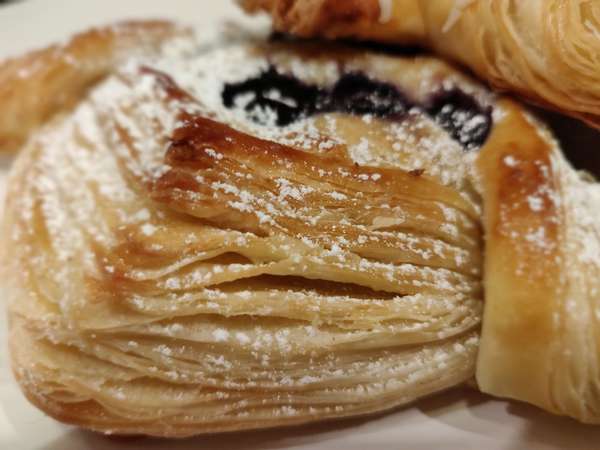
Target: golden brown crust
x,y
38,85
542,264
187,156
543,50
522,276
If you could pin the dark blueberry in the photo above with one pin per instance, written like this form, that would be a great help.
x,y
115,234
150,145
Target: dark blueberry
x,y
355,93
286,96
290,99
462,117
283,99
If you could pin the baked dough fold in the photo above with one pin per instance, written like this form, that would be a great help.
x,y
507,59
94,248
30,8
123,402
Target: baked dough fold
x,y
539,340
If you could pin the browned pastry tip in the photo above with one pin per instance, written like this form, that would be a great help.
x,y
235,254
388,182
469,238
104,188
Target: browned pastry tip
x,y
42,83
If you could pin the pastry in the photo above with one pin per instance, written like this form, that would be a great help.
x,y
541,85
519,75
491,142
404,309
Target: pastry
x,y
291,238
545,50
294,237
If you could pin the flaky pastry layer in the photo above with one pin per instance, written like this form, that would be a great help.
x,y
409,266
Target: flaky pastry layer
x,y
175,268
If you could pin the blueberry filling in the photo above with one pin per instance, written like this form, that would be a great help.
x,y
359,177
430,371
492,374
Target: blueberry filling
x,y
272,97
354,93
462,117
286,96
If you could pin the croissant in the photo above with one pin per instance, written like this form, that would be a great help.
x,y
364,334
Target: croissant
x,y
545,50
297,236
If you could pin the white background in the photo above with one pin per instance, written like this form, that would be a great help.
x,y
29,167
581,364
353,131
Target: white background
x,y
461,419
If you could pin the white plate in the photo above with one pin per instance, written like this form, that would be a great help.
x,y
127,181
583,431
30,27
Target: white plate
x,y
461,419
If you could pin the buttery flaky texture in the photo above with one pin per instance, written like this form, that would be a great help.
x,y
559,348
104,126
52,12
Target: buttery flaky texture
x,y
294,237
545,50
174,267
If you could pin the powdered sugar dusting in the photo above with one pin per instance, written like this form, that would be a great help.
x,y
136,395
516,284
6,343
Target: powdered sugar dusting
x,y
386,9
345,288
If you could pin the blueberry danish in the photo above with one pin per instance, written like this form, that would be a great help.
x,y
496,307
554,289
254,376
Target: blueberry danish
x,y
248,234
